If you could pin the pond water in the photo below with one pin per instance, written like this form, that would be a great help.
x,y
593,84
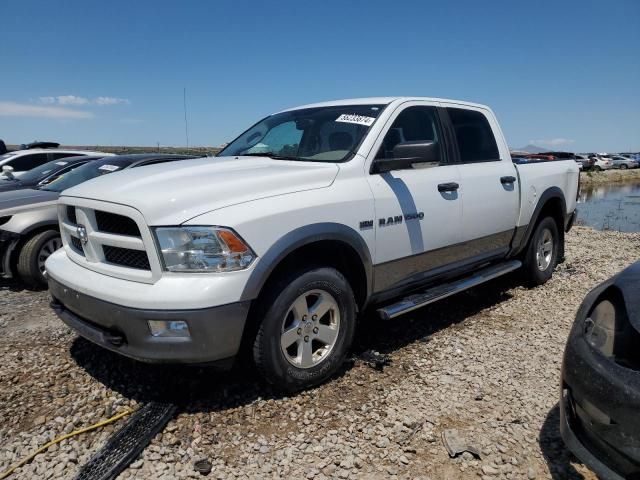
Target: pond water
x,y
610,207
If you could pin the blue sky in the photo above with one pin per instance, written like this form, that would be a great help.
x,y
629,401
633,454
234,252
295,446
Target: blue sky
x,y
563,74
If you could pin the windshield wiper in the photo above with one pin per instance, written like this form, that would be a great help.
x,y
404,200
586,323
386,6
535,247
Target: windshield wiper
x,y
273,155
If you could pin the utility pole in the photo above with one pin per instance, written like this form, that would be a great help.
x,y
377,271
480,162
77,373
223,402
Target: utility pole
x,y
186,125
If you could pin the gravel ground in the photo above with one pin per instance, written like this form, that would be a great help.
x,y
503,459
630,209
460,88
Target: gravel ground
x,y
485,362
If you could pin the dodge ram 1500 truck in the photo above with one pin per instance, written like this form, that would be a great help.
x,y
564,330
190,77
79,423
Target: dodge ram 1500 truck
x,y
311,216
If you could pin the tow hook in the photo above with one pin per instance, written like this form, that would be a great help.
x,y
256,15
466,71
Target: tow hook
x,y
114,339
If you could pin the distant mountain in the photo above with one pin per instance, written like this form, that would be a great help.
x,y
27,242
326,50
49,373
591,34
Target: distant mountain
x,y
532,149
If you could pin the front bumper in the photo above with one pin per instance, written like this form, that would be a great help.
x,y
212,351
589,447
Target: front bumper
x,y
8,242
215,332
599,406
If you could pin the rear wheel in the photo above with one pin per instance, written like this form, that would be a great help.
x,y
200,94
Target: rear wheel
x,y
541,256
597,168
307,329
624,166
33,255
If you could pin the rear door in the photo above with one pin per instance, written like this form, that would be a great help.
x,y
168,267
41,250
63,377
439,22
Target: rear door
x,y
489,188
417,223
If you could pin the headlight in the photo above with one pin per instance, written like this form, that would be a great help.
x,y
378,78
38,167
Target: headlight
x,y
203,249
607,329
600,327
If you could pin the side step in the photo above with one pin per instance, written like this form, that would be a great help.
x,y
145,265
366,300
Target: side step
x,y
415,301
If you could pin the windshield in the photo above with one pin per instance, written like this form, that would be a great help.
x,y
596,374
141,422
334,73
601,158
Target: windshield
x,y
321,134
87,172
37,173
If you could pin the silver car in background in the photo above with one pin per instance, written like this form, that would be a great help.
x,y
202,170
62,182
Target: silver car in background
x,y
623,163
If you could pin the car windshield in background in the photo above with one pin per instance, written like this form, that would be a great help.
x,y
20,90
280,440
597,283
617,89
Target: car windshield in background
x,y
87,172
37,173
321,134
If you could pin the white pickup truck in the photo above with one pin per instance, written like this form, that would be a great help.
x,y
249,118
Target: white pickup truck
x,y
310,217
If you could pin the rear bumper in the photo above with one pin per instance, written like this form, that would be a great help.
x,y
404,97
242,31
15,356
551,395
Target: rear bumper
x,y
599,407
215,332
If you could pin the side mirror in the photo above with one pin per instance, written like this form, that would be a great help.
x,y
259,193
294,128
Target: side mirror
x,y
405,154
7,171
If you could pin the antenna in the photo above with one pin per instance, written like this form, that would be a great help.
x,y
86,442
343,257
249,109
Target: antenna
x,y
186,124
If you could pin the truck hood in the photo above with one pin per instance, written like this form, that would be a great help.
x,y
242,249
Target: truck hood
x,y
174,192
18,201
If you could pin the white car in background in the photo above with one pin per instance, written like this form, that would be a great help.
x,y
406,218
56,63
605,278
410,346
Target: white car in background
x,y
602,162
20,161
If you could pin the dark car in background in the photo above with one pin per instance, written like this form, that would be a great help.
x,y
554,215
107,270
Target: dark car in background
x,y
586,161
43,174
29,230
600,400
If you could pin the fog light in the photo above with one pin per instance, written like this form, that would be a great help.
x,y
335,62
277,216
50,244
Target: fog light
x,y
168,328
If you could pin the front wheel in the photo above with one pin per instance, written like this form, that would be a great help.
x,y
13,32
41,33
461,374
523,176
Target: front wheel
x,y
34,254
623,166
541,256
307,329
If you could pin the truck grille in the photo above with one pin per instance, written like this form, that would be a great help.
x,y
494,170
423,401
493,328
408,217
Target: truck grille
x,y
126,257
118,224
71,214
77,244
118,241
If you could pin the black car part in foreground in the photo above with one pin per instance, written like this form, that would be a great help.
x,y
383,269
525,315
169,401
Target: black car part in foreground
x,y
600,399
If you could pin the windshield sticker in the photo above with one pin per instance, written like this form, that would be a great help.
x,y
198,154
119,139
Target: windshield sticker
x,y
357,119
109,168
62,164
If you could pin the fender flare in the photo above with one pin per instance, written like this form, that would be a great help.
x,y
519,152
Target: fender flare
x,y
522,236
304,236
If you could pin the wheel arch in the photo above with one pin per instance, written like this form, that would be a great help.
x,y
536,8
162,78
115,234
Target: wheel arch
x,y
25,236
552,204
330,243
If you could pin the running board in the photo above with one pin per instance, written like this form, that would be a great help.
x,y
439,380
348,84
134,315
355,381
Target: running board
x,y
413,302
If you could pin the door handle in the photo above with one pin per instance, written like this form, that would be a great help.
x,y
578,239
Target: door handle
x,y
448,187
507,179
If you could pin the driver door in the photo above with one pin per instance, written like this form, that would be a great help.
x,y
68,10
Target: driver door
x,y
418,211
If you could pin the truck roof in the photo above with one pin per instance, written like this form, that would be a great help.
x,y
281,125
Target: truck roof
x,y
384,101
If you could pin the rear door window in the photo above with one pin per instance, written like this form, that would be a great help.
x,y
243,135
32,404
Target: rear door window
x,y
474,137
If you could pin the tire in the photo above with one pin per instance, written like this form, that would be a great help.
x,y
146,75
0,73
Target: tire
x,y
293,351
33,255
597,168
623,166
541,256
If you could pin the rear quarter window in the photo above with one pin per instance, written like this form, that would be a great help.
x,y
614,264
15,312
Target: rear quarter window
x,y
474,137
